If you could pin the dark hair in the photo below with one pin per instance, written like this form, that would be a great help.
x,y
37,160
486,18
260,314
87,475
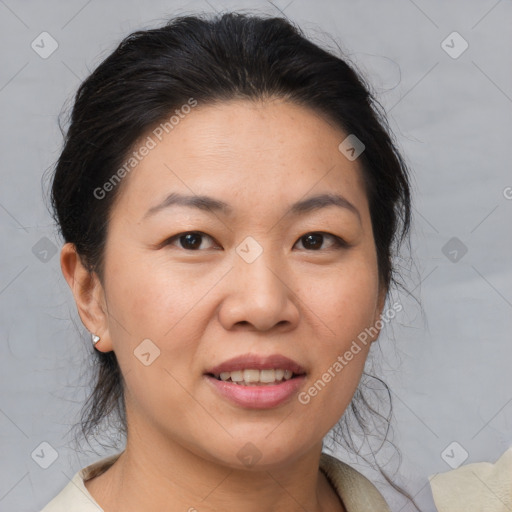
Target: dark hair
x,y
230,56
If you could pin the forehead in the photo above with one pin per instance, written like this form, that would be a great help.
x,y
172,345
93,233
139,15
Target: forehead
x,y
272,149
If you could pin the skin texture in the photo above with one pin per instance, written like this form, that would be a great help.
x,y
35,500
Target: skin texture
x,y
203,306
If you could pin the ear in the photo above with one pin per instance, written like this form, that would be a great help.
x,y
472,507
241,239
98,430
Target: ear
x,y
89,295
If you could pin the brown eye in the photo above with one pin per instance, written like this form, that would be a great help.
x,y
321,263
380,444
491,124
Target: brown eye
x,y
190,240
314,241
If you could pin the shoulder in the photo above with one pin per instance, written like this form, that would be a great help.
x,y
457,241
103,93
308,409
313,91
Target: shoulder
x,y
75,497
355,490
475,487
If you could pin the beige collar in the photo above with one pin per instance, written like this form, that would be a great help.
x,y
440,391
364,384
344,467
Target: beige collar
x,y
356,492
475,487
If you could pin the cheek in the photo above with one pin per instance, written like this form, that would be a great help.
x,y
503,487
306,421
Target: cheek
x,y
345,307
346,300
152,303
151,299
164,305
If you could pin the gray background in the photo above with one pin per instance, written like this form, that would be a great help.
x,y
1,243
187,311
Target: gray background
x,y
448,365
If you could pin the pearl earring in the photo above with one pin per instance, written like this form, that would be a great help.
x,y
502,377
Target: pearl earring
x,y
95,339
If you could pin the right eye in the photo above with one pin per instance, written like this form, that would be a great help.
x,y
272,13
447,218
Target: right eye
x,y
189,240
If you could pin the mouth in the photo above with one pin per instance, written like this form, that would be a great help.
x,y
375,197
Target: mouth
x,y
256,370
255,377
257,382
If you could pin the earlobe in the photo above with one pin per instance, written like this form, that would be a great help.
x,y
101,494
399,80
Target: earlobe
x,y
88,294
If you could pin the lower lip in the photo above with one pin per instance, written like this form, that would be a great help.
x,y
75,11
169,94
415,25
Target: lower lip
x,y
258,397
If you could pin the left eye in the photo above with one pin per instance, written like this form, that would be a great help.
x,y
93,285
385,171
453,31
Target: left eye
x,y
313,240
191,240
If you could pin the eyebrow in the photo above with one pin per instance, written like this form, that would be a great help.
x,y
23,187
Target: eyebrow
x,y
211,204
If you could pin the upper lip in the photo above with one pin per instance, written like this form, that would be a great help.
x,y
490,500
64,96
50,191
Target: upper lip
x,y
257,362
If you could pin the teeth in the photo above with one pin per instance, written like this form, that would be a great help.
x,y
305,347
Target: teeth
x,y
236,376
252,376
267,375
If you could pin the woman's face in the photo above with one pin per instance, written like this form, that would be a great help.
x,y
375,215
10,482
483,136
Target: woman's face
x,y
250,284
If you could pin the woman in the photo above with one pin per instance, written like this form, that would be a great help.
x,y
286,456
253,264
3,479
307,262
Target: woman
x,y
230,200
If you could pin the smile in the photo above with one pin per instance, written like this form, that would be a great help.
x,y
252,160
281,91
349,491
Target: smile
x,y
256,395
255,377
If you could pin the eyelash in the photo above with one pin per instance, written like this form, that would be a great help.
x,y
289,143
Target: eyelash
x,y
339,243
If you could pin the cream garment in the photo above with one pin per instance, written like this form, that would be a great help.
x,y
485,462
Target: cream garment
x,y
357,493
477,487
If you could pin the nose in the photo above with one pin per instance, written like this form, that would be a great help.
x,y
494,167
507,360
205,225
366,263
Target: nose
x,y
260,295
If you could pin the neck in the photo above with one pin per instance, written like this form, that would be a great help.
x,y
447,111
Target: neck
x,y
163,476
